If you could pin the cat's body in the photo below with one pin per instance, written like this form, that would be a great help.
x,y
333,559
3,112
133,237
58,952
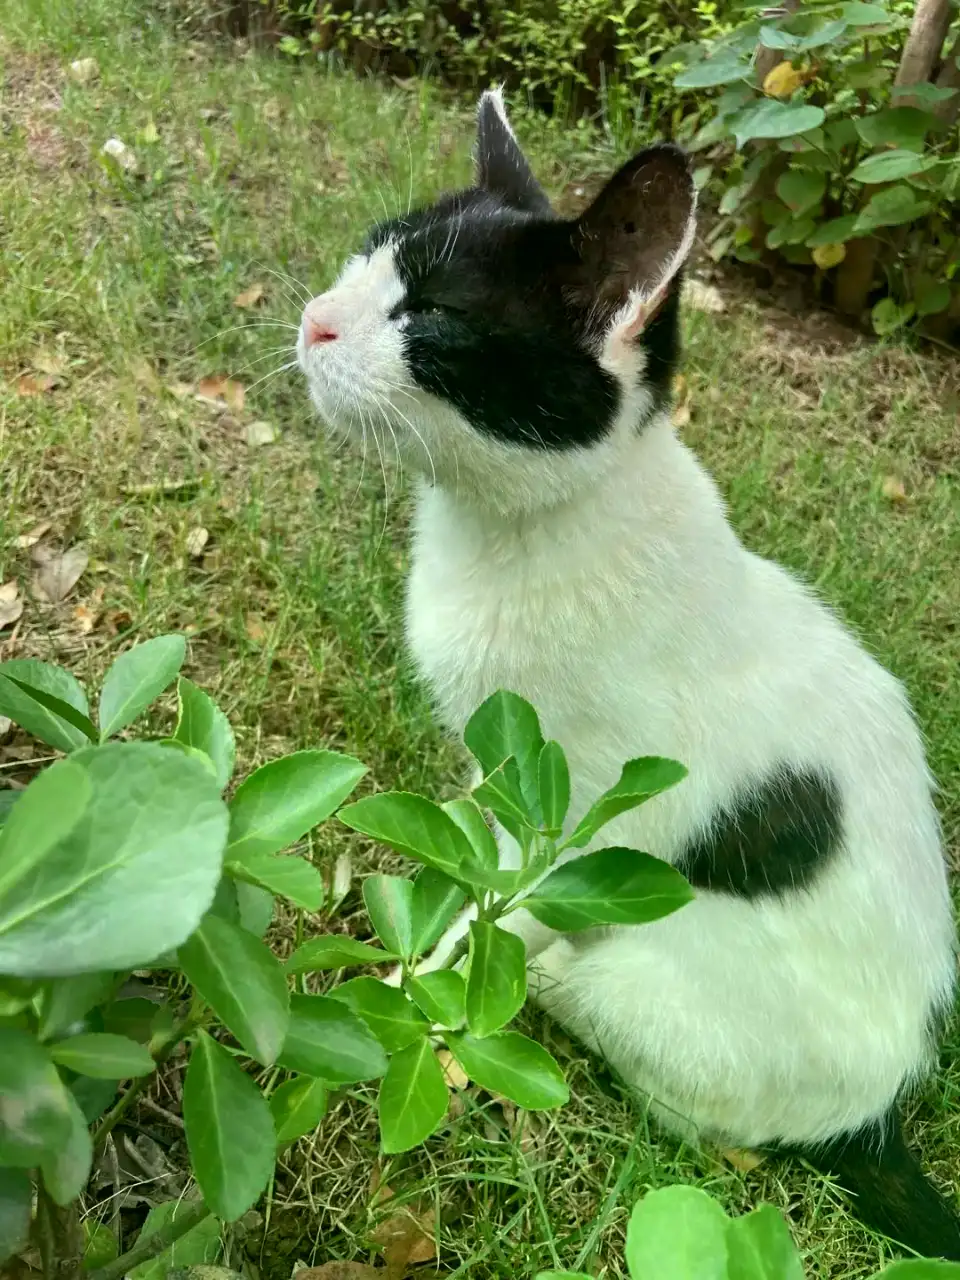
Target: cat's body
x,y
569,548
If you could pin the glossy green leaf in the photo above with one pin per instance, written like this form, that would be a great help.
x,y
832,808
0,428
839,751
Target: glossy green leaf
x,y
896,127
887,166
282,800
469,818
102,1055
777,38
202,725
760,1247
712,72
412,825
297,1107
773,119
920,1269
243,983
442,995
255,908
801,189
829,33
554,774
497,982
436,899
501,792
836,231
335,951
93,1096
510,1064
131,880
66,1166
507,725
858,14
387,1011
23,709
288,876
413,1097
100,1245
136,679
16,1198
887,316
65,1001
36,1110
677,1232
610,886
640,780
230,1134
389,903
50,808
327,1040
197,1247
56,707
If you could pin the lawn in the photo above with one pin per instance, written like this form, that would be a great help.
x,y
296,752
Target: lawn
x,y
227,516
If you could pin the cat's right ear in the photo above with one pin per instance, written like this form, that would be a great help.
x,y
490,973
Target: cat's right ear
x,y
502,167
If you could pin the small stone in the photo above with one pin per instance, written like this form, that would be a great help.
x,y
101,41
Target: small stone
x,y
84,70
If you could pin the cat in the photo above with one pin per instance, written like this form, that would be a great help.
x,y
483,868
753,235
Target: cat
x,y
567,546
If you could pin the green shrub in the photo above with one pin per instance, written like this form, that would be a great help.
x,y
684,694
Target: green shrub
x,y
124,856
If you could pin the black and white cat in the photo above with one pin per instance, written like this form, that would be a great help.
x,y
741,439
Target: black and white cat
x,y
567,546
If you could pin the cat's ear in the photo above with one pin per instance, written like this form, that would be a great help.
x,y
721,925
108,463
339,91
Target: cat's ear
x,y
636,235
502,167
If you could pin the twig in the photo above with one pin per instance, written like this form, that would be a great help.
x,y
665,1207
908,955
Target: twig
x,y
194,1212
169,1116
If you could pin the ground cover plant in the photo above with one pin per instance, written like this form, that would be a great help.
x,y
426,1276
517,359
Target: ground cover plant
x,y
136,449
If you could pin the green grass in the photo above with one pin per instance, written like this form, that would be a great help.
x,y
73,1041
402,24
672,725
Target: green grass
x,y
126,284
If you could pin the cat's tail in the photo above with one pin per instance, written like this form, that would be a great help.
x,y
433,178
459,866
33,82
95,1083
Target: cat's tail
x,y
889,1189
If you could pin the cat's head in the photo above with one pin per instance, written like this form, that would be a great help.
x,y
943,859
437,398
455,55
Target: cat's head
x,y
501,349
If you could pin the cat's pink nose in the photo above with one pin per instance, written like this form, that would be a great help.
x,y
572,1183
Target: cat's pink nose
x,y
316,331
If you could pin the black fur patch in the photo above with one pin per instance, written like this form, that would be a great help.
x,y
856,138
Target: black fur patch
x,y
772,838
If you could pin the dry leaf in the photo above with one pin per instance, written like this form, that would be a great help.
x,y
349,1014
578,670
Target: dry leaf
x,y
783,80
829,255
342,1271
681,401
260,433
702,296
84,70
117,621
407,1238
250,297
893,489
85,618
255,628
11,606
48,362
197,539
29,384
220,387
342,876
31,539
745,1161
380,1191
6,725
453,1073
57,577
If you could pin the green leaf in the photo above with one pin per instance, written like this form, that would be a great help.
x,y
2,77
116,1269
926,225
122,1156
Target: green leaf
x,y
50,808
202,725
469,818
760,1247
282,800
57,707
507,725
554,776
920,1269
858,14
93,1096
640,780
386,1011
413,1097
297,1107
36,1112
836,231
102,1055
891,207
412,825
66,1167
26,711
436,899
7,800
611,886
335,951
896,126
442,995
777,38
773,119
173,744
563,1275
829,33
136,679
389,903
291,877
196,1248
100,1245
791,231
16,994
801,189
887,166
242,981
16,1198
711,72
255,907
924,94
138,1019
65,1001
497,982
887,317
230,1134
328,1040
131,880
501,792
680,1232
932,296
510,1064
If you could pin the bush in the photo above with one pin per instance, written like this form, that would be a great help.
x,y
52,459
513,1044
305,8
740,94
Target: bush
x,y
124,856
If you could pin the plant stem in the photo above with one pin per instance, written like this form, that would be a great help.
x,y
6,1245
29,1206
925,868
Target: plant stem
x,y
193,1212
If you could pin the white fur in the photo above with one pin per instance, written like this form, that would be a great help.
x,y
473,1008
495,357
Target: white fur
x,y
606,586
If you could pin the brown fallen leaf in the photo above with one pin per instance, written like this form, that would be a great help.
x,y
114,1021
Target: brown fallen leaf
x,y
11,605
783,80
59,574
29,384
117,621
31,539
342,1271
220,387
741,1159
48,362
85,618
407,1238
250,297
255,628
197,539
893,488
453,1073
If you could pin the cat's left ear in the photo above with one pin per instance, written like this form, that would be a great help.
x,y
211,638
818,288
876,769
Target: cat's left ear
x,y
637,234
501,166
